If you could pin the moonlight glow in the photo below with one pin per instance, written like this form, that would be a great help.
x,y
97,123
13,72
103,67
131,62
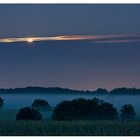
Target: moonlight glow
x,y
30,40
116,38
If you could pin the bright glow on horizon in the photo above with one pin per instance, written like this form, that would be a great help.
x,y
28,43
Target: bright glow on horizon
x,y
30,40
118,38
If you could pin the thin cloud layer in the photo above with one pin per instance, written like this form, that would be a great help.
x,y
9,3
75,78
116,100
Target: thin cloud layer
x,y
119,38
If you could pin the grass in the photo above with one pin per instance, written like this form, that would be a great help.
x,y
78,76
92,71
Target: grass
x,y
66,128
47,127
8,114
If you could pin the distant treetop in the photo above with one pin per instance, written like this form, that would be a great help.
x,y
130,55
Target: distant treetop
x,y
41,105
120,91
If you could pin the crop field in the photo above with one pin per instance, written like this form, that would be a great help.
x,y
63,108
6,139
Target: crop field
x,y
47,127
69,128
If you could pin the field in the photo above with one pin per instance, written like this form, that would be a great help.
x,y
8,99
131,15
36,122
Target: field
x,y
10,127
65,128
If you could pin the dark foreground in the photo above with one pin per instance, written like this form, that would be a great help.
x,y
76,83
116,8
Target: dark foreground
x,y
65,128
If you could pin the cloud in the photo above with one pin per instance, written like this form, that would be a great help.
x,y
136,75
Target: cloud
x,y
118,41
118,38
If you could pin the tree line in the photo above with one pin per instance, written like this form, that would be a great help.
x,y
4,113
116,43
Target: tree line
x,y
91,109
118,91
77,109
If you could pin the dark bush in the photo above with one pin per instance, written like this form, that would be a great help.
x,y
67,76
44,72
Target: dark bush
x,y
41,105
1,102
82,109
127,112
107,112
28,113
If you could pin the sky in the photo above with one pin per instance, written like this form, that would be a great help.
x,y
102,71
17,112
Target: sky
x,y
71,45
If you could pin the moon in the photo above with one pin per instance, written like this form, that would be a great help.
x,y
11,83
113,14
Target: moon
x,y
30,40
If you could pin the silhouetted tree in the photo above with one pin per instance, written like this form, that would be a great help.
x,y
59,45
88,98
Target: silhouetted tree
x,y
124,90
1,102
127,112
82,109
107,111
41,105
28,113
101,91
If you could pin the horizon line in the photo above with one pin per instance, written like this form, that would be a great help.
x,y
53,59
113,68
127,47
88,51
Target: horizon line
x,y
70,88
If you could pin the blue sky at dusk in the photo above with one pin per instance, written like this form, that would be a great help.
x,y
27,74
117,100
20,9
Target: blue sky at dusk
x,y
91,46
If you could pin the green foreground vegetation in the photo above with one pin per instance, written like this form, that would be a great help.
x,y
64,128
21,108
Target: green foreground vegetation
x,y
69,128
79,117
